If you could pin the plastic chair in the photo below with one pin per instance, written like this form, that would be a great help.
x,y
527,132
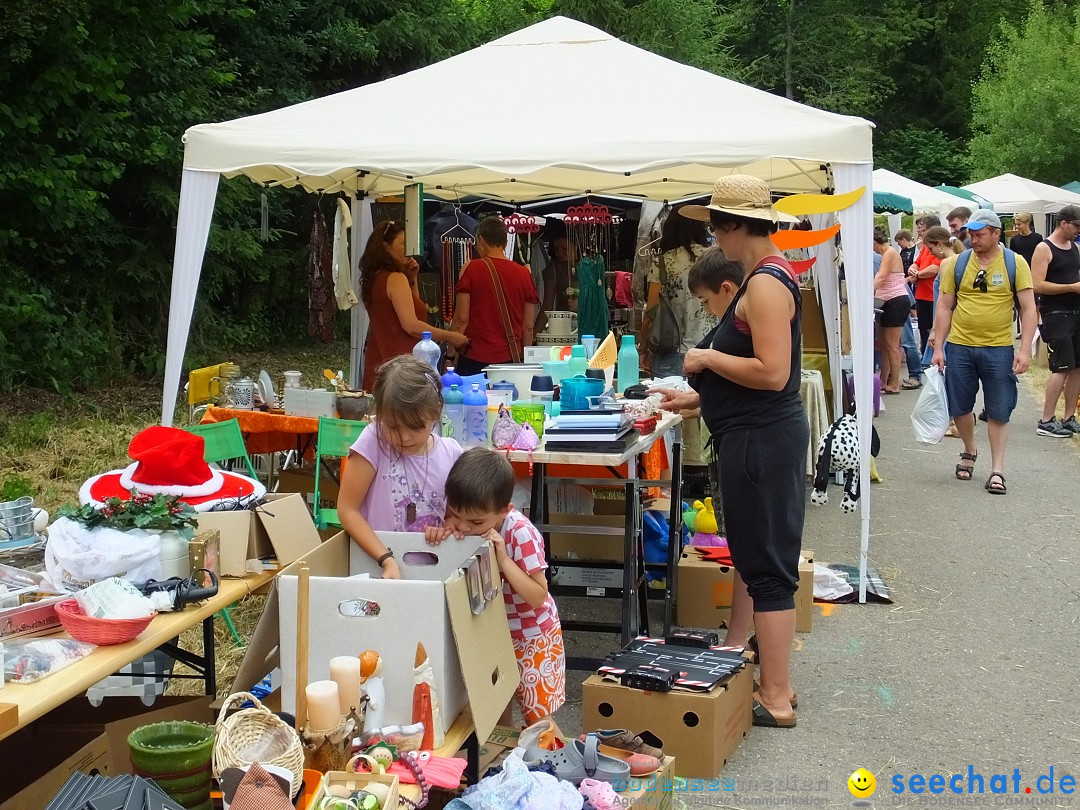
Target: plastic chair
x,y
224,442
336,436
200,389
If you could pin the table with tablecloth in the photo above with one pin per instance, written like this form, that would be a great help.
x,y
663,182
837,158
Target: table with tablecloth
x,y
812,393
268,432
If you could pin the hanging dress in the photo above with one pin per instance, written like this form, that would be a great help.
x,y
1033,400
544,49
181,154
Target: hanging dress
x,y
592,297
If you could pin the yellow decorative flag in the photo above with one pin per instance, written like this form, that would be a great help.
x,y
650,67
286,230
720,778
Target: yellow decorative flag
x,y
801,205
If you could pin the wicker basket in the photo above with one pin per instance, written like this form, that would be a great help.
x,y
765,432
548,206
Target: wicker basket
x,y
239,733
98,631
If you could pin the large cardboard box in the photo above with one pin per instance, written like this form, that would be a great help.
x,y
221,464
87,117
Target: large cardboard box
x,y
352,610
700,730
581,546
303,482
282,527
652,792
706,588
79,737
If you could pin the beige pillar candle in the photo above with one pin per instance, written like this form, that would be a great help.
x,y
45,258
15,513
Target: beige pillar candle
x,y
324,712
345,672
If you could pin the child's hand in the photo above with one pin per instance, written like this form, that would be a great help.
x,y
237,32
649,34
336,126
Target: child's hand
x,y
436,534
497,541
390,569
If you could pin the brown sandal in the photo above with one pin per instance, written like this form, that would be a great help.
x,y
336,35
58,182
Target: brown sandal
x,y
964,473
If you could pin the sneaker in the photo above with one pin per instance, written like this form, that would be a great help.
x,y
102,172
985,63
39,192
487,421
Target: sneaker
x,y
1071,425
1054,429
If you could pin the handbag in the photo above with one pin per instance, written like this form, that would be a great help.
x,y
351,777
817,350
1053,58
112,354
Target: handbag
x,y
511,340
665,334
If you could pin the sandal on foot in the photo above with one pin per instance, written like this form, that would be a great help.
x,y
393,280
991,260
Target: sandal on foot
x,y
964,473
889,391
582,760
996,487
601,795
794,696
911,384
763,717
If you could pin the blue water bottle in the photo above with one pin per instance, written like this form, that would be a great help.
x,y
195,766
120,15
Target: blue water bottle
x,y
629,370
476,406
450,378
427,350
453,414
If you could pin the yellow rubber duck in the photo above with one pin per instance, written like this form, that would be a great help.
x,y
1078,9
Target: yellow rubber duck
x,y
706,517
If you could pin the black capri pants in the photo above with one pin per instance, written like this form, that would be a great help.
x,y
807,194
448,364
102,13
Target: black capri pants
x,y
763,487
925,311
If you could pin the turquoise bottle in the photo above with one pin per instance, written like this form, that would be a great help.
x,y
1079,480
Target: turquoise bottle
x,y
629,363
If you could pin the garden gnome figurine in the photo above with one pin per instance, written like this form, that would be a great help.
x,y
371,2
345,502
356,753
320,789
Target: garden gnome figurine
x,y
705,525
425,701
371,679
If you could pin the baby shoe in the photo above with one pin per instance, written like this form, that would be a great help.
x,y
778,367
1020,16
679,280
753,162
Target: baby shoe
x,y
601,795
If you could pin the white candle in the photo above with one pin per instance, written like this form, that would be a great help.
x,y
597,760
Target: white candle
x,y
322,703
345,672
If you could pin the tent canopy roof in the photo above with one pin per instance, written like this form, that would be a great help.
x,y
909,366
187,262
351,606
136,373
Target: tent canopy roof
x,y
1011,194
923,197
419,127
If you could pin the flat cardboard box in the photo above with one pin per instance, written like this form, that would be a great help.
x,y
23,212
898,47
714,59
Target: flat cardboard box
x,y
33,619
701,731
281,527
705,592
500,742
41,760
430,605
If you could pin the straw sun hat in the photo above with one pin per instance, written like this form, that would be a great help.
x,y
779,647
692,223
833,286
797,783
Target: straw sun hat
x,y
741,195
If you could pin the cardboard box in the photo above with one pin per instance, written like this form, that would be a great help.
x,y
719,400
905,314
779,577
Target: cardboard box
x,y
281,527
705,591
654,792
310,402
357,781
500,742
204,552
78,737
41,761
430,605
34,619
303,482
701,730
588,546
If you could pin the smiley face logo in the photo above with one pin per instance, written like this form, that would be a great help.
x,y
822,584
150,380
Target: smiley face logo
x,y
862,784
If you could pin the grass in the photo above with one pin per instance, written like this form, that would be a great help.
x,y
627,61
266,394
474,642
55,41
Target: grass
x,y
51,444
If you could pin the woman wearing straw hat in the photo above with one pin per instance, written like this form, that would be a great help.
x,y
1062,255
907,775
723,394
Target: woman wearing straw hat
x,y
746,375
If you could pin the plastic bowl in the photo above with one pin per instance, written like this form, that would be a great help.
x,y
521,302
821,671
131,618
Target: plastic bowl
x,y
558,370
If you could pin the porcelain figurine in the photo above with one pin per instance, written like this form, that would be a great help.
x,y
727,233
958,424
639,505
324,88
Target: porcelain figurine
x,y
425,701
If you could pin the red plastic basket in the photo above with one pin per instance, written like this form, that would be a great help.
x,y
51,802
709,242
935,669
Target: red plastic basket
x,y
98,631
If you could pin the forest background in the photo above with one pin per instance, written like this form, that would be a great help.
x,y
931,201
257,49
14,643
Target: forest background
x,y
96,94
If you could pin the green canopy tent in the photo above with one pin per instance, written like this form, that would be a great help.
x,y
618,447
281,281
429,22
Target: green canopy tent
x,y
982,202
888,203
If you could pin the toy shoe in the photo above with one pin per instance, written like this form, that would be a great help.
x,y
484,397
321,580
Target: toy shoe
x,y
621,738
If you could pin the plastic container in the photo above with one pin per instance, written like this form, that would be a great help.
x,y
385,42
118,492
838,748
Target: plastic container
x,y
176,755
629,368
590,343
474,379
504,385
450,378
578,361
575,392
453,414
427,350
476,408
531,412
558,370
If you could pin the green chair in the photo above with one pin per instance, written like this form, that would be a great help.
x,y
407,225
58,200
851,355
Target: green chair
x,y
336,436
224,442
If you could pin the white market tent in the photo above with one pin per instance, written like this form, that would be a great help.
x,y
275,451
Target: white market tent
x,y
924,199
1012,194
372,140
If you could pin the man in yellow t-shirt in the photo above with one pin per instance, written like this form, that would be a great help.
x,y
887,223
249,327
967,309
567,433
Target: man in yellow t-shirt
x,y
973,345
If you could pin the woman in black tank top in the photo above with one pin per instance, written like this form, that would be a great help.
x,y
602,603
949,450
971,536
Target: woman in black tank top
x,y
746,375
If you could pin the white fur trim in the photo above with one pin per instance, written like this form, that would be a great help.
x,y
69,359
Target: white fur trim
x,y
208,487
259,490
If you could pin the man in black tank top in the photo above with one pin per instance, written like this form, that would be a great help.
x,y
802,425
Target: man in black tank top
x,y
1055,271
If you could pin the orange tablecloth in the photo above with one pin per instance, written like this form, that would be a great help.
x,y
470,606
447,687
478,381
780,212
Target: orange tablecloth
x,y
266,432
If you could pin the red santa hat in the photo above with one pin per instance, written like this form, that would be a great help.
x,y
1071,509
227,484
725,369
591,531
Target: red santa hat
x,y
170,461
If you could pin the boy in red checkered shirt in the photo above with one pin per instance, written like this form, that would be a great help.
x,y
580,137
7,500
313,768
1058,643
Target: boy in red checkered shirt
x,y
479,489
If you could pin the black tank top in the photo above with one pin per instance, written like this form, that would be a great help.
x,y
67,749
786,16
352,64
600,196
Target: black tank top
x,y
726,405
1064,268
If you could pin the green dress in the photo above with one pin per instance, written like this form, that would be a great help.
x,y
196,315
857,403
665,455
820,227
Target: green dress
x,y
592,297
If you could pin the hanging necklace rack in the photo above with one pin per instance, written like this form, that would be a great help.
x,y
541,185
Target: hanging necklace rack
x,y
457,251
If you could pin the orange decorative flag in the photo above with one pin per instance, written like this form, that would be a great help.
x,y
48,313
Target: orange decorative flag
x,y
792,240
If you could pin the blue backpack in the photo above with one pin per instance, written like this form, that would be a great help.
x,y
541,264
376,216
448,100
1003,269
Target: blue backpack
x,y
1010,268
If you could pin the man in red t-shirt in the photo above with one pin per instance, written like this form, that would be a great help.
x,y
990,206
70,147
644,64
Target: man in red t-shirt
x,y
923,273
477,311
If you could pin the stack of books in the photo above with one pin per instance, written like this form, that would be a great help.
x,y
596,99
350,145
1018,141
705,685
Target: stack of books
x,y
591,432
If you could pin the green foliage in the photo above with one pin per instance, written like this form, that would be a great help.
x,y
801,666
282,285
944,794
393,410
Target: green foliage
x,y
158,512
27,432
925,155
15,486
1025,104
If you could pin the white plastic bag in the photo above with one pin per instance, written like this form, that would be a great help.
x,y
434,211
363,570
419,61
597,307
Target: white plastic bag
x,y
76,557
930,419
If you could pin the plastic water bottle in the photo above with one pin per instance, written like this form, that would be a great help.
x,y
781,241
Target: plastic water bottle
x,y
476,407
450,378
629,370
578,361
453,414
427,350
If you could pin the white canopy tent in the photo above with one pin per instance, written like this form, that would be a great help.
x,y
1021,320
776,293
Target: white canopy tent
x,y
1012,194
924,199
369,141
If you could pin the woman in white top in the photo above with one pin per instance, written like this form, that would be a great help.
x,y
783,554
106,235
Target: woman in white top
x,y
682,241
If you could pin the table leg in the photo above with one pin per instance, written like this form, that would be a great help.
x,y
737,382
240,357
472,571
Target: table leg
x,y
209,657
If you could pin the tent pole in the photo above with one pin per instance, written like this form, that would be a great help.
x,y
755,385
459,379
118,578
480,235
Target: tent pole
x,y
361,230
